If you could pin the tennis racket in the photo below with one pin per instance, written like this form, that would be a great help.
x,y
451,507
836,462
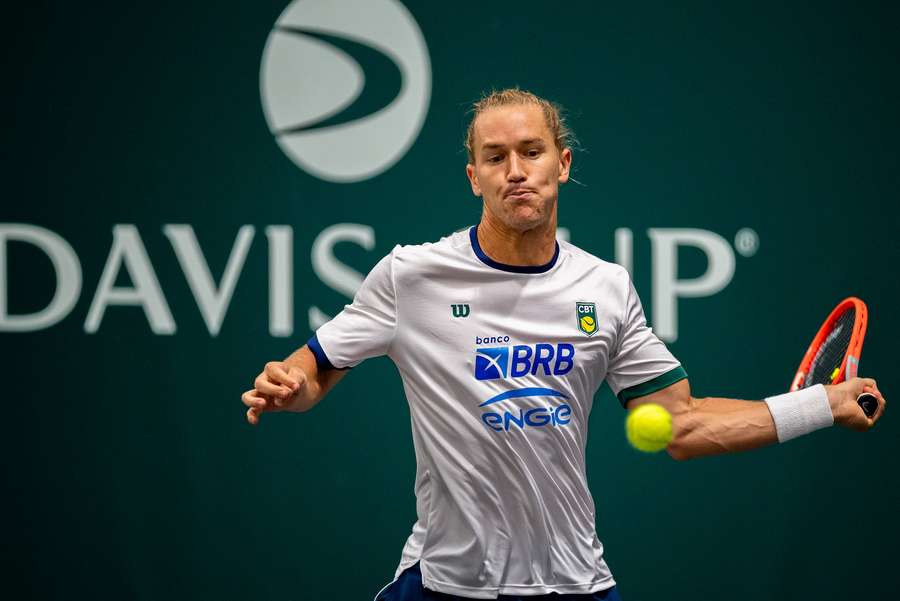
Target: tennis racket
x,y
834,353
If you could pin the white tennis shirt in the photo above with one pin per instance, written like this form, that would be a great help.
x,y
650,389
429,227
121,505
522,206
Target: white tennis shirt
x,y
500,364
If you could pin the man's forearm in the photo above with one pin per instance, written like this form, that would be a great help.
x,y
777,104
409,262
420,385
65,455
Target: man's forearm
x,y
712,426
318,382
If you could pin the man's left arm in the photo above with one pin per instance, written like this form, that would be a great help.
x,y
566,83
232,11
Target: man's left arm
x,y
714,425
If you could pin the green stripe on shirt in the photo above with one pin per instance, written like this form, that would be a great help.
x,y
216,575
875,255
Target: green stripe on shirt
x,y
649,387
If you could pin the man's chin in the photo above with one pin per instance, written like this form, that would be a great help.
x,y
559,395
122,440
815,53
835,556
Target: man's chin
x,y
524,221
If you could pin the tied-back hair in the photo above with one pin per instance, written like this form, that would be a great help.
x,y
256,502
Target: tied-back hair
x,y
562,135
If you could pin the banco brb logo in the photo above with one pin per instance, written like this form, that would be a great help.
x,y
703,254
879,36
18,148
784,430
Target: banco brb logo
x,y
345,85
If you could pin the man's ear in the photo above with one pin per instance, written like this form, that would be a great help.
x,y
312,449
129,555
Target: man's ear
x,y
473,179
565,163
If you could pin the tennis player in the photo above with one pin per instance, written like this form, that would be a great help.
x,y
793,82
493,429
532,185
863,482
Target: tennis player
x,y
502,334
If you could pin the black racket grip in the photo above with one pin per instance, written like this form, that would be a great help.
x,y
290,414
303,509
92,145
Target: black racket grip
x,y
868,402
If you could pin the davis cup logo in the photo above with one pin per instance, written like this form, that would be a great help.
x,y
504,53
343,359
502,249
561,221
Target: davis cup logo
x,y
345,85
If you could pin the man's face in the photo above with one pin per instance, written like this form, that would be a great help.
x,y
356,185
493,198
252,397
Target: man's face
x,y
517,168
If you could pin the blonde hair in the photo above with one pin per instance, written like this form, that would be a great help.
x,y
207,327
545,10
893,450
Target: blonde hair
x,y
562,135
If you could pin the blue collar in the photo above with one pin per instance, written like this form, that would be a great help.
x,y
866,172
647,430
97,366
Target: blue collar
x,y
473,236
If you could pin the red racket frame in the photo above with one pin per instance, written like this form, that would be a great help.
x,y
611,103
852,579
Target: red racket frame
x,y
854,349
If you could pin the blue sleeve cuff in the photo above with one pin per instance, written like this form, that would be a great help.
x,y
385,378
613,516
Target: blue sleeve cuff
x,y
322,361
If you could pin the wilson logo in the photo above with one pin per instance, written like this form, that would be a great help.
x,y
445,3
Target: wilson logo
x,y
460,310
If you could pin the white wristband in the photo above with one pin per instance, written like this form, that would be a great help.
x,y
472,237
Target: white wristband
x,y
801,412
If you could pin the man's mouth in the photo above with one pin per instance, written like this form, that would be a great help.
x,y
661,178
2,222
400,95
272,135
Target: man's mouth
x,y
519,193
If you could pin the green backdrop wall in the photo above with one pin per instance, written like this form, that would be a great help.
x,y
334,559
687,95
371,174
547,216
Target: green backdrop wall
x,y
130,470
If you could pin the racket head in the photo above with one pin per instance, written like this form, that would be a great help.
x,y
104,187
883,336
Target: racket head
x,y
833,355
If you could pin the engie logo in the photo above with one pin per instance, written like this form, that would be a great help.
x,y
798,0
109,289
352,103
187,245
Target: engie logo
x,y
535,417
325,113
521,359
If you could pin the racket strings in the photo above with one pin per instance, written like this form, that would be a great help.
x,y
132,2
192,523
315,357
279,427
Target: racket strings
x,y
832,351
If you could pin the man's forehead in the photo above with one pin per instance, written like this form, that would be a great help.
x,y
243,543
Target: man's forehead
x,y
511,124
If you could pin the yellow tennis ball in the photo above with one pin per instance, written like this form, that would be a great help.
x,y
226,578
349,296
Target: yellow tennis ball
x,y
649,428
587,322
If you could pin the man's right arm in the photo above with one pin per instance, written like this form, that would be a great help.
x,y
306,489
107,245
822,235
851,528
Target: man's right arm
x,y
295,384
365,328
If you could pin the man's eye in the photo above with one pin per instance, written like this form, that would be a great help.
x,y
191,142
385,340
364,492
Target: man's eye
x,y
533,152
495,159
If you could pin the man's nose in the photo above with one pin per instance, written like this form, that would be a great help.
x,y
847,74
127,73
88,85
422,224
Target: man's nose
x,y
516,172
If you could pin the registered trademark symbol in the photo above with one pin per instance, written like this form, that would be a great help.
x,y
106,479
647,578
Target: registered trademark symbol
x,y
746,242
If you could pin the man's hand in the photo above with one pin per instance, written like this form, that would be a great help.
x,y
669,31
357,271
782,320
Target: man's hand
x,y
280,387
847,411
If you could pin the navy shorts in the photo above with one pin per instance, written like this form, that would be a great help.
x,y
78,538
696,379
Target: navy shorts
x,y
408,587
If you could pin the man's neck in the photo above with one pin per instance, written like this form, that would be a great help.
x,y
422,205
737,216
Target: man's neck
x,y
512,247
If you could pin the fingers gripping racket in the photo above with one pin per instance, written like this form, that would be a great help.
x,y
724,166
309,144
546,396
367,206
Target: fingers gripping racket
x,y
834,353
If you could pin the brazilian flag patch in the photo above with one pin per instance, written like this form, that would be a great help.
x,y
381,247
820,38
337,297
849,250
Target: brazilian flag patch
x,y
586,315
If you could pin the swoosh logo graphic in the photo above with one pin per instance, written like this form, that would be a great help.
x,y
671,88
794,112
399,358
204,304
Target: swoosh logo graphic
x,y
523,392
372,98
493,361
345,86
